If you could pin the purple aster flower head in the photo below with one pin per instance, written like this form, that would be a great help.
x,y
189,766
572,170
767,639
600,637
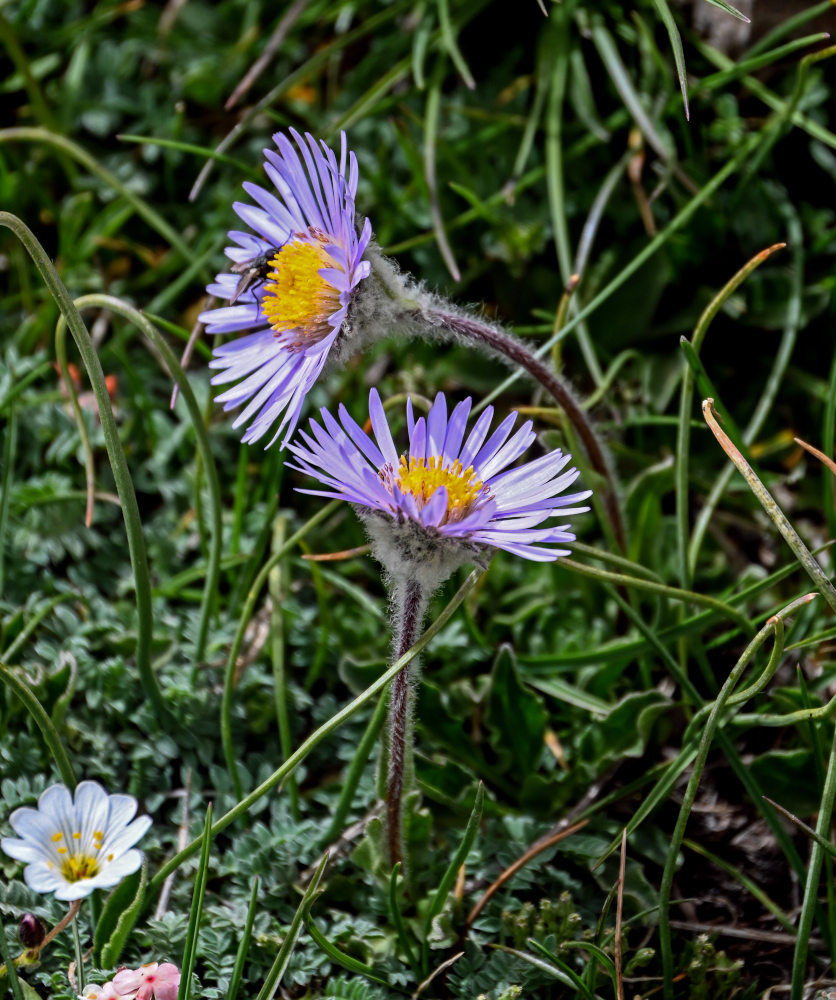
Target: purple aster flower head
x,y
291,283
450,498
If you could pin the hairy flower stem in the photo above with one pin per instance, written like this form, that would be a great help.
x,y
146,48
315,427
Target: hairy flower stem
x,y
495,340
410,602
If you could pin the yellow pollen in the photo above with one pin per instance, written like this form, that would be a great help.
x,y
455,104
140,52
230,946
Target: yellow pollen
x,y
76,836
97,835
62,850
79,866
56,837
296,297
422,477
110,857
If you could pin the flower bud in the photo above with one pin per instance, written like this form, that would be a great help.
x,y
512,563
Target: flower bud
x,y
31,931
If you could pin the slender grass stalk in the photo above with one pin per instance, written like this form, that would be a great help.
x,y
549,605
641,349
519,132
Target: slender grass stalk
x,y
431,115
355,772
686,402
8,967
748,884
810,900
116,454
674,593
348,961
43,722
246,614
9,450
81,423
827,846
159,349
79,956
325,730
448,39
22,384
742,772
557,77
243,944
789,26
678,55
774,627
280,963
400,926
450,875
8,654
809,563
196,911
278,587
677,222
89,162
769,97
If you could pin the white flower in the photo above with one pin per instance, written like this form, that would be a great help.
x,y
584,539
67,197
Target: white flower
x,y
73,847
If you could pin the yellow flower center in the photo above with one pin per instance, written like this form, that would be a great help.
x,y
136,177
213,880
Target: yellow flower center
x,y
422,477
79,866
296,298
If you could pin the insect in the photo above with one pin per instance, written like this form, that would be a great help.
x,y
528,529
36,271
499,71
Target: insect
x,y
252,271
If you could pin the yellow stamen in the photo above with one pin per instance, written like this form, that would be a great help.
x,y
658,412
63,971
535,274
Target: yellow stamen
x,y
296,297
62,850
422,477
79,866
56,837
76,836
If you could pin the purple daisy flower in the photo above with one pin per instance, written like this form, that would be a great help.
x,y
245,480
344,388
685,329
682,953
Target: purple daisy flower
x,y
447,496
290,284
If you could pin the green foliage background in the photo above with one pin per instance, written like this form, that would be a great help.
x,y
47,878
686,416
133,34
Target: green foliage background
x,y
550,686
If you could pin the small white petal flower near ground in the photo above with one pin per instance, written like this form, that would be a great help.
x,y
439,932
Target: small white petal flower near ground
x,y
160,981
449,497
73,845
290,285
105,992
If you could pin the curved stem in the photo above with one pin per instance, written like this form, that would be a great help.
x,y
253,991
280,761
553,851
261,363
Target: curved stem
x,y
158,347
44,723
463,325
116,455
410,602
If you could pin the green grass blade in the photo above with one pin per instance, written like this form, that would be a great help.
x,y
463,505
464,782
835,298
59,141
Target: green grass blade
x,y
196,911
6,479
43,722
727,7
449,877
116,454
676,46
243,945
277,970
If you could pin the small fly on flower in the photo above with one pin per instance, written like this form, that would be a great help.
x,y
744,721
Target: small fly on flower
x,y
253,272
